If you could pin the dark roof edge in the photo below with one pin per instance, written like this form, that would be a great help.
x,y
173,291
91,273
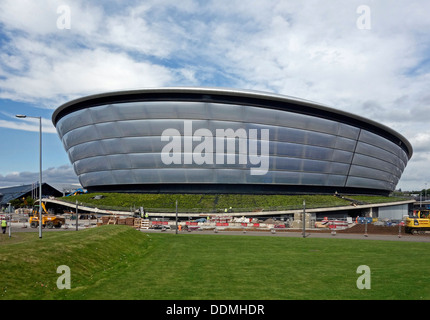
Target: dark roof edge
x,y
250,94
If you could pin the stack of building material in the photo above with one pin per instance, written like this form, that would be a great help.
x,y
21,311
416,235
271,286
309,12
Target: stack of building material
x,y
298,220
297,224
137,223
144,224
105,219
113,220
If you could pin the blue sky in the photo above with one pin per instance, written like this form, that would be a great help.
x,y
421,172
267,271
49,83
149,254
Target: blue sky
x,y
311,49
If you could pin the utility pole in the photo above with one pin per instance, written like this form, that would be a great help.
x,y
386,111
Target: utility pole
x,y
77,215
40,169
304,218
10,220
176,216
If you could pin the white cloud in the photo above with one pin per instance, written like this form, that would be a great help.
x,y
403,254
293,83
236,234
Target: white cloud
x,y
29,15
60,175
27,124
44,63
61,72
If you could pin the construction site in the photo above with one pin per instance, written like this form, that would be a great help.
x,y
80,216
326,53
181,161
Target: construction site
x,y
352,216
304,223
243,224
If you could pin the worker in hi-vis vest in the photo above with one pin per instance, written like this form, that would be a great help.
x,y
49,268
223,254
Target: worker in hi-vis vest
x,y
4,225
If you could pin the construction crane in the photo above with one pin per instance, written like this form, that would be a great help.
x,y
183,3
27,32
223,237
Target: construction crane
x,y
48,220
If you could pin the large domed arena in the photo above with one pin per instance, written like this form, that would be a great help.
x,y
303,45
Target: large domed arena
x,y
216,140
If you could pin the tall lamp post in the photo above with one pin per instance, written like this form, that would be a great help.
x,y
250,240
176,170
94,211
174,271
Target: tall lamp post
x,y
40,168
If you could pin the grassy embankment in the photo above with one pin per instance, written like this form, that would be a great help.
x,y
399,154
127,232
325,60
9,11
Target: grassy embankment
x,y
216,203
118,262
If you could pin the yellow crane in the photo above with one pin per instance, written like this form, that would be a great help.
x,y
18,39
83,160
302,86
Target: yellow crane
x,y
48,220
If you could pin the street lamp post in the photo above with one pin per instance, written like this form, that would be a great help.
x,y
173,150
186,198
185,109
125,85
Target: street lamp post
x,y
10,219
40,168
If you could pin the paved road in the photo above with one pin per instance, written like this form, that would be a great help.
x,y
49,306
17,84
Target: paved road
x,y
404,238
24,227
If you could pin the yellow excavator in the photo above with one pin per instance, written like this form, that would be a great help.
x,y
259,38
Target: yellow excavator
x,y
419,223
48,220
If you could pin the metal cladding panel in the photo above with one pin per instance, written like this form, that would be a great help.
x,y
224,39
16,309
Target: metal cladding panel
x,y
205,143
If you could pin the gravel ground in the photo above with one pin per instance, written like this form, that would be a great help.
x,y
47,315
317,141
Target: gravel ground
x,y
70,225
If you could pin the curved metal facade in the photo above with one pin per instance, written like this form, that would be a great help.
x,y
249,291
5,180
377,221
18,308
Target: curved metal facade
x,y
207,140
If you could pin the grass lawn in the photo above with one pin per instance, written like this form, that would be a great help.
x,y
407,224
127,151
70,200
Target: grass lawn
x,y
118,262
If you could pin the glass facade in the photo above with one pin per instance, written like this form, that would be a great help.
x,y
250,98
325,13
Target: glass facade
x,y
191,142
